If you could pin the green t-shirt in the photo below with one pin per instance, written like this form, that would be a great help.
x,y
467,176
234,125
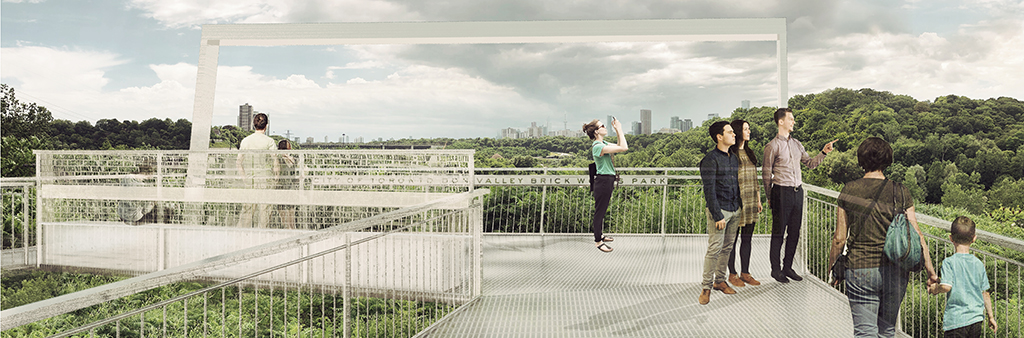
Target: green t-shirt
x,y
604,162
965,274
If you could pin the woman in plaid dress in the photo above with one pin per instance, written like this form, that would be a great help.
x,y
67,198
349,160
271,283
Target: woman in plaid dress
x,y
750,194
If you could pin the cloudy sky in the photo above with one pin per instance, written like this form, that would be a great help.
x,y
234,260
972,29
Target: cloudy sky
x,y
136,59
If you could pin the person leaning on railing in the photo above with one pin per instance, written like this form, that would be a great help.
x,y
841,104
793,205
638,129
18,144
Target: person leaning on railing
x,y
874,285
604,181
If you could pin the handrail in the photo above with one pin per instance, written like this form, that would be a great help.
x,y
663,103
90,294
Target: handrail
x,y
147,308
54,306
997,239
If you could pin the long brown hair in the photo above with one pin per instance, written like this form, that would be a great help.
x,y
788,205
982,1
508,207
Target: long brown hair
x,y
737,126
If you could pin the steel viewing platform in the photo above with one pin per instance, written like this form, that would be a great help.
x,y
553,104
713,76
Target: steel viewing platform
x,y
560,286
494,252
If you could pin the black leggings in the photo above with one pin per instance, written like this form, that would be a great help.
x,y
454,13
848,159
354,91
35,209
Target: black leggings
x,y
603,186
746,234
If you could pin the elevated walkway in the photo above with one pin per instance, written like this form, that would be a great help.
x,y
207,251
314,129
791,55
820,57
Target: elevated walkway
x,y
560,286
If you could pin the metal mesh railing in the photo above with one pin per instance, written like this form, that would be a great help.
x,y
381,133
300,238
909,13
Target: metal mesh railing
x,y
19,224
263,189
558,200
390,275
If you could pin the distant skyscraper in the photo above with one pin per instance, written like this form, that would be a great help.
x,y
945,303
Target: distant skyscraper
x,y
645,121
509,133
636,128
296,140
535,131
245,117
309,139
687,125
712,116
608,125
676,123
745,104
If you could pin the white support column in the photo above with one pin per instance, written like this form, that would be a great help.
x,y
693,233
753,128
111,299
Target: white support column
x,y
206,85
783,67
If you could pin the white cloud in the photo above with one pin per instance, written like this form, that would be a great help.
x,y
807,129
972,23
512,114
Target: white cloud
x,y
924,66
44,69
369,64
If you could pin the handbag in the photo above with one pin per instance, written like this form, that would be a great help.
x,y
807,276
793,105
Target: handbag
x,y
839,268
902,243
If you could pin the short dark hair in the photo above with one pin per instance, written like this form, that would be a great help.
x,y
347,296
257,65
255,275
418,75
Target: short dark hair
x,y
781,113
874,154
962,230
717,128
591,128
259,121
282,145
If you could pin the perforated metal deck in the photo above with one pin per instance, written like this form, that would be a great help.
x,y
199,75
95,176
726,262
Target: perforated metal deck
x,y
561,286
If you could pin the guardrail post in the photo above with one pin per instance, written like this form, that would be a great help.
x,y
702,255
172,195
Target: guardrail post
x,y
159,187
39,208
24,221
346,291
543,204
161,248
664,203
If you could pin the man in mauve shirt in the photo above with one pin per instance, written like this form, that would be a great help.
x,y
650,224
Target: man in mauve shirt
x,y
782,181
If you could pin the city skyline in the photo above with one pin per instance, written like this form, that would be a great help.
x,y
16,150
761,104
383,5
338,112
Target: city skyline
x,y
136,59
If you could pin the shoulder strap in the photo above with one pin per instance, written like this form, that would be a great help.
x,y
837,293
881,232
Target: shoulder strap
x,y
871,207
897,208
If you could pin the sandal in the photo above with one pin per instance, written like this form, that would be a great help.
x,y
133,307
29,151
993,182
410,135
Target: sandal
x,y
607,239
604,248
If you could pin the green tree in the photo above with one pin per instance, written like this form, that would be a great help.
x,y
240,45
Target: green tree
x,y
914,179
963,191
22,120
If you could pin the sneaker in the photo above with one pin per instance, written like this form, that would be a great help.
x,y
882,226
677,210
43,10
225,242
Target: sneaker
x,y
735,280
722,286
705,297
779,277
746,277
793,275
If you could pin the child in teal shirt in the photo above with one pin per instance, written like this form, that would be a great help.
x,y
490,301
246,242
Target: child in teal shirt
x,y
964,278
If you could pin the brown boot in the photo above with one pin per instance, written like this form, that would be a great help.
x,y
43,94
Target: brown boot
x,y
734,280
705,297
746,277
722,286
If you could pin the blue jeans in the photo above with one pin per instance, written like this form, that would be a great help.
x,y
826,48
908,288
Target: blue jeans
x,y
875,296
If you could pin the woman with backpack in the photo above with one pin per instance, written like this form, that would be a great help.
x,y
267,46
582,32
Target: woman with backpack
x,y
604,180
874,284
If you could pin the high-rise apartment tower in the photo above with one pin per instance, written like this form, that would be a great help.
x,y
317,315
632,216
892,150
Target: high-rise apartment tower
x,y
245,113
645,121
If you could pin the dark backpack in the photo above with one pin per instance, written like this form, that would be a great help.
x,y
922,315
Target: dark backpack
x,y
593,173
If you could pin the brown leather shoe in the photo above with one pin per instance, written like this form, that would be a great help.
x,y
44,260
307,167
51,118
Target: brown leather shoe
x,y
722,286
746,277
735,280
705,297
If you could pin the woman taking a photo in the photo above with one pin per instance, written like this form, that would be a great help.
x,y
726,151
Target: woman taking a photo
x,y
604,181
750,197
874,285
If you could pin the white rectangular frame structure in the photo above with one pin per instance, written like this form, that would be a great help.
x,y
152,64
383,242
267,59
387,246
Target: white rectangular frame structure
x,y
304,34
